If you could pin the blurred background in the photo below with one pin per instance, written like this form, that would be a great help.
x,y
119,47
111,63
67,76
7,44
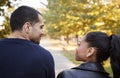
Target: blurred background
x,y
67,20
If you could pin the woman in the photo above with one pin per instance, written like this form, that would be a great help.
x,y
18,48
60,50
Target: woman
x,y
94,48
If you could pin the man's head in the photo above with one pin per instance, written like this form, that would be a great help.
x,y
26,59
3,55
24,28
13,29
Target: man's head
x,y
29,22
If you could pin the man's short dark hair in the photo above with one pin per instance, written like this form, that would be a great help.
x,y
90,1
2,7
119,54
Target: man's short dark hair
x,y
21,15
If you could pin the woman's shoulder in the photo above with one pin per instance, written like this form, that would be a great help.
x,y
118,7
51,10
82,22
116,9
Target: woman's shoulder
x,y
83,71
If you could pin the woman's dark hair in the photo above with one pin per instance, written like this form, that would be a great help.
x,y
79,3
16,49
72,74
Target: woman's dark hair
x,y
101,42
115,55
107,46
21,15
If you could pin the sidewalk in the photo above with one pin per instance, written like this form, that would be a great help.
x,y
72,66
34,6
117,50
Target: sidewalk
x,y
61,62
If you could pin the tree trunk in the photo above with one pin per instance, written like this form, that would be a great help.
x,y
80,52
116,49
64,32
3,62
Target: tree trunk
x,y
76,36
67,39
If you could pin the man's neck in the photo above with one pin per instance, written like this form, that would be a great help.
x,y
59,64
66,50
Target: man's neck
x,y
18,34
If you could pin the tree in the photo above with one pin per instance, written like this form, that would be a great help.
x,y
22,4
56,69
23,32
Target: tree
x,y
6,6
4,3
7,29
66,17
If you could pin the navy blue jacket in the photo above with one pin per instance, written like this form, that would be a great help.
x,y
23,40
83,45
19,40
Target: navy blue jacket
x,y
23,59
85,70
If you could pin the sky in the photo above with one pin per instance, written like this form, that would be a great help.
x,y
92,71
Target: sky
x,y
33,3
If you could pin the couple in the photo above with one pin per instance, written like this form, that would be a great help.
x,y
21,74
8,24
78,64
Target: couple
x,y
22,57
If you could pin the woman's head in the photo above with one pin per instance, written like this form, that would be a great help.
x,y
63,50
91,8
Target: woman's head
x,y
96,46
100,41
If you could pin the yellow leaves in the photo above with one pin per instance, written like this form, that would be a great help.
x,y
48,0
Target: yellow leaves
x,y
93,13
79,23
99,23
55,27
72,17
62,22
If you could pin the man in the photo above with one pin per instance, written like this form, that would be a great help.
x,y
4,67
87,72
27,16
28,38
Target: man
x,y
20,53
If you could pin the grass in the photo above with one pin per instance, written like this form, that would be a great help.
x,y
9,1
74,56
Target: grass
x,y
71,56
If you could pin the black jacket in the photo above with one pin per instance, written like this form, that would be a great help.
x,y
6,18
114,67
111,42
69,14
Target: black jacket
x,y
85,70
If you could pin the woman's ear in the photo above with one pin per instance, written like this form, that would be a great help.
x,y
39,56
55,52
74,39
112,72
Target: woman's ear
x,y
90,52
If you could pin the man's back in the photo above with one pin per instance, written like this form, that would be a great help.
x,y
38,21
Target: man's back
x,y
23,59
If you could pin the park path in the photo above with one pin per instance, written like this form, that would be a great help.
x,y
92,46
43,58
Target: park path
x,y
61,62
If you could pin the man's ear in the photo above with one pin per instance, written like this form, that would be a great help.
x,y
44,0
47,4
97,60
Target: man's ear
x,y
26,27
91,51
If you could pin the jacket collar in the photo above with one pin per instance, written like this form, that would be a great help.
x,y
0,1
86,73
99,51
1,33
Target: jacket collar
x,y
90,66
